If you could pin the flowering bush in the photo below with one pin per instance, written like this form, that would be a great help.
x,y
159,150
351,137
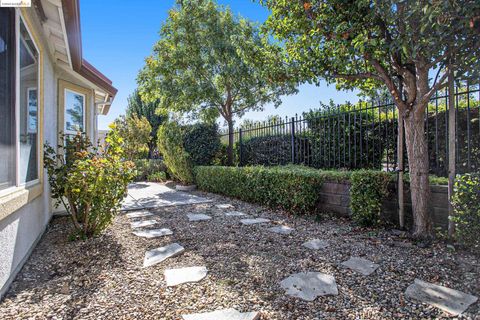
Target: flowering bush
x,y
89,182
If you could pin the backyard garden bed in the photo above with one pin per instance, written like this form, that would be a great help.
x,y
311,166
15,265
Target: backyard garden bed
x,y
103,277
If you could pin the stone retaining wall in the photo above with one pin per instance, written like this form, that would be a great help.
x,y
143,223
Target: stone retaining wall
x,y
335,198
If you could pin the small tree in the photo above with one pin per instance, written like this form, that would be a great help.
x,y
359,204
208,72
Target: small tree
x,y
395,44
135,134
209,62
136,106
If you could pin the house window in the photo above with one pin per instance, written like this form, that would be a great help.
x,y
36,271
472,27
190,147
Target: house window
x,y
19,83
28,111
74,112
7,99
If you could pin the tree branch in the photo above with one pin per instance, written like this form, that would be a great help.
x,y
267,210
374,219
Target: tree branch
x,y
358,76
388,82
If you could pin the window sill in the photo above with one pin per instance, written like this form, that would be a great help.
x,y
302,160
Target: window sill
x,y
18,198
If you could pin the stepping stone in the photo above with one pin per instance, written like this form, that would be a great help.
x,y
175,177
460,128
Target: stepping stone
x,y
174,277
224,206
160,254
360,265
141,224
281,230
309,285
452,301
254,221
141,214
316,244
153,233
198,217
225,314
235,214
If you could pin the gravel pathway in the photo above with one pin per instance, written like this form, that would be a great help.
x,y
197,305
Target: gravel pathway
x,y
104,278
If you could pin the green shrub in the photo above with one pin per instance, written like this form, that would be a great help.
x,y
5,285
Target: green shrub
x,y
147,167
221,157
292,188
90,184
202,142
157,177
466,204
274,150
367,191
170,144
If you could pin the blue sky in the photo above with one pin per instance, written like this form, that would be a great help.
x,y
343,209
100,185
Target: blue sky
x,y
118,35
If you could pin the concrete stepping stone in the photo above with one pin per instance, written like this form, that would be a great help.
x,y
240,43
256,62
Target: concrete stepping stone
x,y
160,254
144,223
309,285
140,214
254,221
452,301
360,265
198,217
225,314
153,233
224,206
174,277
315,244
235,214
281,230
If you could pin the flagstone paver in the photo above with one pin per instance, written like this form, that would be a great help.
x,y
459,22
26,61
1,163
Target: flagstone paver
x,y
254,221
309,285
148,195
158,255
235,214
225,314
153,233
361,265
316,244
281,230
452,301
144,223
224,206
139,214
174,277
198,217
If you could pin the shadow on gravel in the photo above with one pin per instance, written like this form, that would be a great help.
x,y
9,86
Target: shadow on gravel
x,y
67,270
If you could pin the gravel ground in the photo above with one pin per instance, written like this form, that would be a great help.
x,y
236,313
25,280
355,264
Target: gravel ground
x,y
103,278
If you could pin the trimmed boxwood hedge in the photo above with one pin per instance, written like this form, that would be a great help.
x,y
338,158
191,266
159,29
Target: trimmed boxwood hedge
x,y
294,190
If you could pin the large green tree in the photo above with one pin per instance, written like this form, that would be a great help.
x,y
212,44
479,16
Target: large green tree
x,y
136,106
209,62
408,47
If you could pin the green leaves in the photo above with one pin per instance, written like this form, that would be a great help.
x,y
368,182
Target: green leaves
x,y
89,183
367,191
170,145
134,135
466,204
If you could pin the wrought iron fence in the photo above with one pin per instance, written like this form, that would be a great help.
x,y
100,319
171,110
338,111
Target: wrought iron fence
x,y
362,135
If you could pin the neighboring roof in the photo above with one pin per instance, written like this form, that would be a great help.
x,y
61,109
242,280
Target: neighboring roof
x,y
71,13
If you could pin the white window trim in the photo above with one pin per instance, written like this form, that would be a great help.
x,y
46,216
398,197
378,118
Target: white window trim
x,y
65,111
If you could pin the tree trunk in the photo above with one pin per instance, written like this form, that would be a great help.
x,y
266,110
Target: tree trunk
x,y
230,142
417,151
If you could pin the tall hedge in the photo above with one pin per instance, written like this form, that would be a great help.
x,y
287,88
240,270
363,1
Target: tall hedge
x,y
170,144
202,142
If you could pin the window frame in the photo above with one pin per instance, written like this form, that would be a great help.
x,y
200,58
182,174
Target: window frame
x,y
84,109
14,197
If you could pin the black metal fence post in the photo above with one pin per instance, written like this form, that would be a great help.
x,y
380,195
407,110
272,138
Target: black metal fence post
x,y
292,137
240,147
